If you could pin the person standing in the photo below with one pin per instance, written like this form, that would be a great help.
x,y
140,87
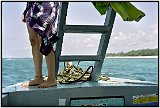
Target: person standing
x,y
40,18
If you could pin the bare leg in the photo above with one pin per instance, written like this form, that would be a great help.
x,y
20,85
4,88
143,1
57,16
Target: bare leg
x,y
37,57
51,81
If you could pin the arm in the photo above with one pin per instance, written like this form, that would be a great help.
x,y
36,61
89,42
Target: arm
x,y
28,6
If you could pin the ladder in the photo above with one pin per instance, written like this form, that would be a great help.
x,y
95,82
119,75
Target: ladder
x,y
105,30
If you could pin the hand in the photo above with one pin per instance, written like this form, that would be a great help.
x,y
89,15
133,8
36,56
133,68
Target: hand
x,y
23,18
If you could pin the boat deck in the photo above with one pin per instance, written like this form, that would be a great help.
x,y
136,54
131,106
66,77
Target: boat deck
x,y
121,91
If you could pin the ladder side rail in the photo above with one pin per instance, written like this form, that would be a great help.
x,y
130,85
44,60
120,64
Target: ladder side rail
x,y
61,22
103,45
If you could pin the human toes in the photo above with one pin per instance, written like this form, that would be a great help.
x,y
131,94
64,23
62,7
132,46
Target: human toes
x,y
43,85
35,82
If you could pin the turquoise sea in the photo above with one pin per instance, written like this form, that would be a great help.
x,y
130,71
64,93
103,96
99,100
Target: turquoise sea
x,y
15,70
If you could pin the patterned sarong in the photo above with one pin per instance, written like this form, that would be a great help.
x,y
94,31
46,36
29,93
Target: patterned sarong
x,y
41,17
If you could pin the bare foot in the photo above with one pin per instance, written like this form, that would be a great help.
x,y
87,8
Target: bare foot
x,y
36,81
25,84
48,83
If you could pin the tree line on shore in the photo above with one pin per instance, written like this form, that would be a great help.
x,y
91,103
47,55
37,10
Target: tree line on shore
x,y
142,52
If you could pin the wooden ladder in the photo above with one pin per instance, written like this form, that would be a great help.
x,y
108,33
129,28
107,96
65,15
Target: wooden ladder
x,y
105,30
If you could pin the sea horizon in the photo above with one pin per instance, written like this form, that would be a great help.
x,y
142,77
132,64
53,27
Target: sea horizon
x,y
83,55
132,57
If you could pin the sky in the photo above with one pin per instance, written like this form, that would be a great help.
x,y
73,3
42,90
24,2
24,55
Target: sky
x,y
126,36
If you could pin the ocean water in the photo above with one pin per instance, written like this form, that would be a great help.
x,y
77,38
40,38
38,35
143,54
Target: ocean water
x,y
16,70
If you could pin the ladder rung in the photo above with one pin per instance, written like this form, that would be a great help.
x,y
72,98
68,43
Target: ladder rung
x,y
80,58
85,29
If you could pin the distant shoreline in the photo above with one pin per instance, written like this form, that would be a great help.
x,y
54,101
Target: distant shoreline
x,y
132,57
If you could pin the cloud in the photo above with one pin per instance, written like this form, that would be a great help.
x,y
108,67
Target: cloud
x,y
154,29
119,41
81,44
122,41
